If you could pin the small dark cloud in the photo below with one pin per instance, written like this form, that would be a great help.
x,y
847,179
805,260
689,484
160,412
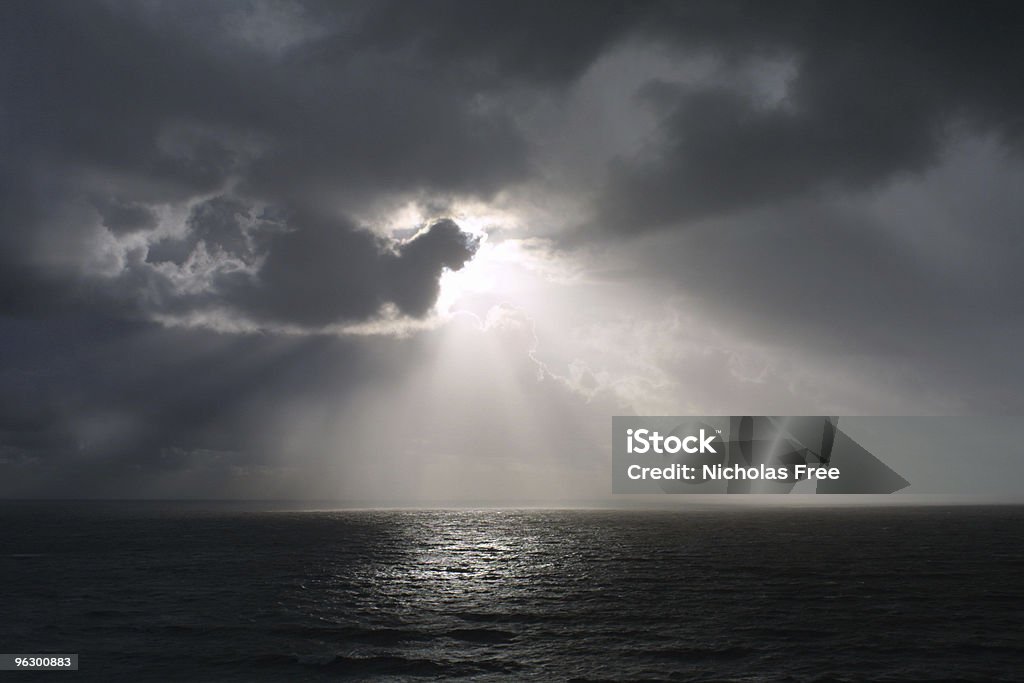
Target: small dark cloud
x,y
300,269
412,272
327,271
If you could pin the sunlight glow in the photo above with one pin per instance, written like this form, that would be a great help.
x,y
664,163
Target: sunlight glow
x,y
519,272
478,276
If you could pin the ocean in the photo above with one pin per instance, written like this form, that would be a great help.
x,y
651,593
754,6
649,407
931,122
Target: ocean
x,y
239,592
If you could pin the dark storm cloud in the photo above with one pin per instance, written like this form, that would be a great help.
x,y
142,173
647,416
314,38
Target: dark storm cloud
x,y
163,102
300,268
863,214
877,91
110,111
346,274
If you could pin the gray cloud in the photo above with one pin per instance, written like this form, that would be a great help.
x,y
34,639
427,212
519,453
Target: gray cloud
x,y
877,91
295,268
106,108
862,215
318,274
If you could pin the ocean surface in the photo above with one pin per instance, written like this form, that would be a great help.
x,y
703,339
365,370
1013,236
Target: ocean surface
x,y
205,592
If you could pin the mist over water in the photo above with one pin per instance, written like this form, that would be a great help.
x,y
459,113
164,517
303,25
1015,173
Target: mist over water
x,y
161,591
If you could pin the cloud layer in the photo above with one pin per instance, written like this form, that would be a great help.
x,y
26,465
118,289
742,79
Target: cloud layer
x,y
785,207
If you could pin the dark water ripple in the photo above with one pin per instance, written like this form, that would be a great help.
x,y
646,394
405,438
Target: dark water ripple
x,y
164,592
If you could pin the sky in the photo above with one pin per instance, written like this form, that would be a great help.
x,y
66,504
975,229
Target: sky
x,y
421,252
